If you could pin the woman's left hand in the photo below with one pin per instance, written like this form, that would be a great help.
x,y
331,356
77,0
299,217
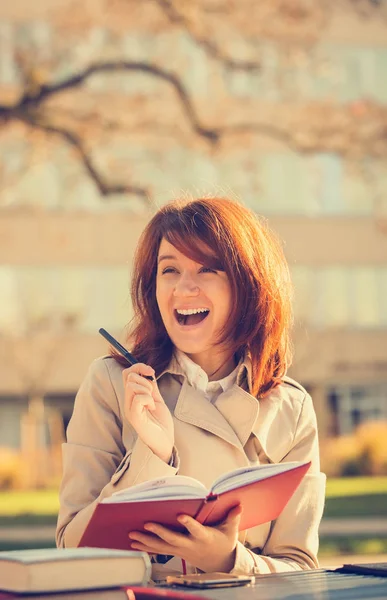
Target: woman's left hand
x,y
207,548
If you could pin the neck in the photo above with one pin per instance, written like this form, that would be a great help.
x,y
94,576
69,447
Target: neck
x,y
216,366
224,370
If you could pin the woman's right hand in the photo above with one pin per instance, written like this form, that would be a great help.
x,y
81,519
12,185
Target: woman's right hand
x,y
147,412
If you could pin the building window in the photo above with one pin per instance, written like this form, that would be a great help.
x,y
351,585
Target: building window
x,y
11,410
353,405
61,405
56,297
340,297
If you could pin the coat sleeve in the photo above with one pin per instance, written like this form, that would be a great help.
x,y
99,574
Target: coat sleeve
x,y
95,461
292,544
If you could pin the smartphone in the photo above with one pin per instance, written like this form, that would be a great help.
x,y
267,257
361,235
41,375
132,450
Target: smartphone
x,y
210,580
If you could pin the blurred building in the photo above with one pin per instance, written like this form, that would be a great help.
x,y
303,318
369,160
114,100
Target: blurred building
x,y
65,253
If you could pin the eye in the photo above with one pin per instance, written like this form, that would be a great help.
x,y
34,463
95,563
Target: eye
x,y
207,270
168,270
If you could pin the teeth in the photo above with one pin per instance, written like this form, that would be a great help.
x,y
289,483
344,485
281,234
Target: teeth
x,y
191,311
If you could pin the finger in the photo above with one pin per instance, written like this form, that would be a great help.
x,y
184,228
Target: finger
x,y
150,549
156,393
135,384
149,543
134,398
171,537
139,389
140,369
131,377
233,518
141,401
235,513
195,529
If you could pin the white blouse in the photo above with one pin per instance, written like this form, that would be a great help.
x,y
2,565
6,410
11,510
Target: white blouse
x,y
198,378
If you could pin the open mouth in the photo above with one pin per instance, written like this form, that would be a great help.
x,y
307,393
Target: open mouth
x,y
191,319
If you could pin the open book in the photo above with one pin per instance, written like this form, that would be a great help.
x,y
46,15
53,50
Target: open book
x,y
263,491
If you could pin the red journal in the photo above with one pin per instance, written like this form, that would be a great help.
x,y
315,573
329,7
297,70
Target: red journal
x,y
262,491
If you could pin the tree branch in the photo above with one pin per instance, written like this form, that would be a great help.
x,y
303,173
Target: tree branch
x,y
274,132
28,110
177,18
75,141
45,91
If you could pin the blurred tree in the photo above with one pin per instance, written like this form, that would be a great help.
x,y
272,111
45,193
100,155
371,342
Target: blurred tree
x,y
102,75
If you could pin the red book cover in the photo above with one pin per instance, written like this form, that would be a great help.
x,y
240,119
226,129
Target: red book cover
x,y
153,593
262,501
110,524
125,593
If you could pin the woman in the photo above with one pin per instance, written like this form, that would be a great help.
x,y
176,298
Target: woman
x,y
212,303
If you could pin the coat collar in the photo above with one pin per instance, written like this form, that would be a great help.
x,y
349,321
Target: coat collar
x,y
236,413
244,375
231,417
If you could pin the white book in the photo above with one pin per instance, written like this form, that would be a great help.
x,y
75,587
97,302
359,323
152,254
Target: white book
x,y
66,569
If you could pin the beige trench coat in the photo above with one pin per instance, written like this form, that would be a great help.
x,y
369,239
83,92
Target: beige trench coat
x,y
103,455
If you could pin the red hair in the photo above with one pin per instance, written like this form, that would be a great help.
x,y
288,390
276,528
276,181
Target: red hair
x,y
253,259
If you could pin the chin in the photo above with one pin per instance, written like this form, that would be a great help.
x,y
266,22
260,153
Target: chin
x,y
189,348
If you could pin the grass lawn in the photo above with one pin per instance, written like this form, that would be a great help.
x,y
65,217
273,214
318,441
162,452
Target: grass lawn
x,y
332,546
346,497
355,486
356,497
38,507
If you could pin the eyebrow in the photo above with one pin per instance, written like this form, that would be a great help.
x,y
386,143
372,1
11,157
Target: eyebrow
x,y
166,257
173,257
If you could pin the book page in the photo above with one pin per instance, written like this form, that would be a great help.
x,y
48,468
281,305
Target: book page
x,y
42,555
171,488
245,475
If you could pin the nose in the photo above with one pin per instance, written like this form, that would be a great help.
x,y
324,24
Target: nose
x,y
186,286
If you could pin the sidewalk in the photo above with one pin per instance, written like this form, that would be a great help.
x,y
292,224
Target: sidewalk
x,y
333,562
30,533
350,527
331,527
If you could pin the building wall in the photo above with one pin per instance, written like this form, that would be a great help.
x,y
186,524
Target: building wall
x,y
340,337
65,252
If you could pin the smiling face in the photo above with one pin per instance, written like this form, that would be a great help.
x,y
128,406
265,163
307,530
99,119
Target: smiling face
x,y
195,304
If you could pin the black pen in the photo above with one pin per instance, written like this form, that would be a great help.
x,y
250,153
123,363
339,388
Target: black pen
x,y
123,351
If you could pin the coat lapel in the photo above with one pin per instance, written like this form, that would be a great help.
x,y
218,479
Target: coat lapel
x,y
274,434
232,417
240,409
235,415
193,407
